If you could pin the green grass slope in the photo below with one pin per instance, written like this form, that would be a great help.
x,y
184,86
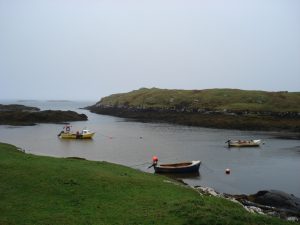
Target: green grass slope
x,y
213,99
45,190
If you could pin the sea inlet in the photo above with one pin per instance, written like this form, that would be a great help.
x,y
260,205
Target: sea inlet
x,y
273,165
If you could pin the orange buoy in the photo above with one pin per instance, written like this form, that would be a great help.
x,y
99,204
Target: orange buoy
x,y
227,171
154,159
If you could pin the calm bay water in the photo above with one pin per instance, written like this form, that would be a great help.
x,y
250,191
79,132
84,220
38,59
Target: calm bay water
x,y
275,165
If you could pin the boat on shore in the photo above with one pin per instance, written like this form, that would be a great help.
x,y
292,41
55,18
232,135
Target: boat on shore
x,y
182,167
243,143
66,133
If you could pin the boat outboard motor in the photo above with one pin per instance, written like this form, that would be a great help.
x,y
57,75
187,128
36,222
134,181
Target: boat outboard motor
x,y
228,142
60,133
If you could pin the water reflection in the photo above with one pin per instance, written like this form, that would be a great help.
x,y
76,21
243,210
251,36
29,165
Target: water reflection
x,y
182,176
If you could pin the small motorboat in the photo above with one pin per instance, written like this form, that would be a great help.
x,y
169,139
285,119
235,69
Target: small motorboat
x,y
183,167
66,133
239,143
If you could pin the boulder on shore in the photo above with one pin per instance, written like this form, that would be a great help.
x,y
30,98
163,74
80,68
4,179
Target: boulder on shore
x,y
277,199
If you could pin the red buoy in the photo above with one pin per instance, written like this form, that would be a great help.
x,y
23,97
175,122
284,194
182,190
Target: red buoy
x,y
154,159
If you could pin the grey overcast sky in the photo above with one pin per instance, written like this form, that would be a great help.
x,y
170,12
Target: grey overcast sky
x,y
87,49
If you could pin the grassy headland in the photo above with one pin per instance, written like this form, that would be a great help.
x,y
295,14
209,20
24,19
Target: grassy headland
x,y
219,108
45,190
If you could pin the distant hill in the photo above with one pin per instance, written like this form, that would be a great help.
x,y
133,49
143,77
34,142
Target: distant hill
x,y
217,108
209,99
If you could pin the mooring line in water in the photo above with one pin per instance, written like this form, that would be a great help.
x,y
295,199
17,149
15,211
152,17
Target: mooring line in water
x,y
149,163
112,137
140,164
104,135
165,159
203,165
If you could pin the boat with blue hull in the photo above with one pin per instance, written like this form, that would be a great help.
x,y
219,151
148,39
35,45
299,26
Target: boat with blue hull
x,y
183,167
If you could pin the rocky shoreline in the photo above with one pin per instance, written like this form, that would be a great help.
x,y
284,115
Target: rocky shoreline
x,y
21,115
273,203
213,119
267,202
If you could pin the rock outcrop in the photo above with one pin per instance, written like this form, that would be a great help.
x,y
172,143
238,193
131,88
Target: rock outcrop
x,y
269,202
277,199
24,115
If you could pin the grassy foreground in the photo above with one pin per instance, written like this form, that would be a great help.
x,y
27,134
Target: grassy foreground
x,y
45,190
